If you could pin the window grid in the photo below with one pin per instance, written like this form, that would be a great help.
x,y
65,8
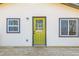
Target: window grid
x,y
16,27
68,27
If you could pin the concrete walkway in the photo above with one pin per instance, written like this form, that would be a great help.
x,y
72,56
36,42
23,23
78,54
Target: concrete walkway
x,y
38,51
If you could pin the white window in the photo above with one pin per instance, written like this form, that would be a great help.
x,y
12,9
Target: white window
x,y
13,25
68,27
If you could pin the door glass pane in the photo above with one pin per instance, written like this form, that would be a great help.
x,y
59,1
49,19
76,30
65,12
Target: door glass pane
x,y
39,24
72,27
64,27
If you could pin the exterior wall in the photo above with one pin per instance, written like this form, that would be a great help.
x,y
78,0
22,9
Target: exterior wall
x,y
52,12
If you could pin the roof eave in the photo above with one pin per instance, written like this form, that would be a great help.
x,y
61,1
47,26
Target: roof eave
x,y
72,5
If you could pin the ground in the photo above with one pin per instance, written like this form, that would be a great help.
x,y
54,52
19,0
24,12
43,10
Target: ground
x,y
38,51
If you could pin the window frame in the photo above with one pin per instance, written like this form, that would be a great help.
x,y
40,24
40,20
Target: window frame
x,y
7,25
77,27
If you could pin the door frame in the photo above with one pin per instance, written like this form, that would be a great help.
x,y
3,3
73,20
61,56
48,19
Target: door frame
x,y
33,29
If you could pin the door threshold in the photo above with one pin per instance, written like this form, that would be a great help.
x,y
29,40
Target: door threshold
x,y
39,45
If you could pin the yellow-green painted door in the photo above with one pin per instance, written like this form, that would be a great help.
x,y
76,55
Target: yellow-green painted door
x,y
39,30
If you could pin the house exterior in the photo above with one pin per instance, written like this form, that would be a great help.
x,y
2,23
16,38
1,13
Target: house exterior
x,y
49,24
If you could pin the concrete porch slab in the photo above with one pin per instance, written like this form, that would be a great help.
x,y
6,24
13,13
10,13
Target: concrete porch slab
x,y
39,51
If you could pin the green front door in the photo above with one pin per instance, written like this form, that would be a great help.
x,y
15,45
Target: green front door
x,y
39,30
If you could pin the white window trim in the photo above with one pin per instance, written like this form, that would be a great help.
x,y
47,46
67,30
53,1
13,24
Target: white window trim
x,y
68,27
8,19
